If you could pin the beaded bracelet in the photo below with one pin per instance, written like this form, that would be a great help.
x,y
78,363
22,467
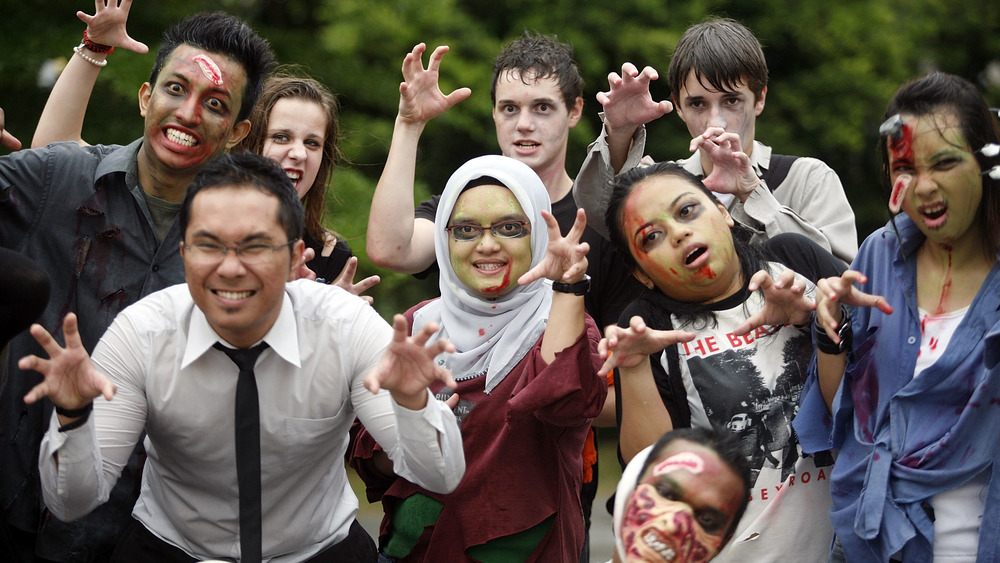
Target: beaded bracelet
x,y
96,47
79,51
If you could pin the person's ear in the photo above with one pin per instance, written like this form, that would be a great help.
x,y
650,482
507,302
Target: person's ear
x,y
145,91
725,213
575,112
645,280
298,249
240,131
759,104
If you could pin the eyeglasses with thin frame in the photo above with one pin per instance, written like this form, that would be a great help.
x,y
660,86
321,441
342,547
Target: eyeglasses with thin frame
x,y
251,253
465,232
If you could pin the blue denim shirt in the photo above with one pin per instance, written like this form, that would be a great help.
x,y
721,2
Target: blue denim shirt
x,y
80,213
904,439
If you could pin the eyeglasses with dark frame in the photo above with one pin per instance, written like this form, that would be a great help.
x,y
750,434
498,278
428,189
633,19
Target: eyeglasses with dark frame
x,y
465,232
252,253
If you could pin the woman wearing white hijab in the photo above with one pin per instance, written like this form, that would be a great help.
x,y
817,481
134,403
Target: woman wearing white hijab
x,y
526,365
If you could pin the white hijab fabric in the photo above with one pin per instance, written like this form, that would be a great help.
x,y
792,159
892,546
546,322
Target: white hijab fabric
x,y
490,335
623,494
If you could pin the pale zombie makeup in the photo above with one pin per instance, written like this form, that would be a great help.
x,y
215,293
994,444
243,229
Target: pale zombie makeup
x,y
489,265
533,122
682,508
681,240
296,132
701,106
936,178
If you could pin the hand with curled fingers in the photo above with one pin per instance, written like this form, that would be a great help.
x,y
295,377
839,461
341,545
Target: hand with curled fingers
x,y
628,104
565,258
731,169
785,301
107,25
833,292
407,367
346,280
628,347
72,380
420,96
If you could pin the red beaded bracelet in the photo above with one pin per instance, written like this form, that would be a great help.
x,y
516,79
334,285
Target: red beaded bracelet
x,y
96,47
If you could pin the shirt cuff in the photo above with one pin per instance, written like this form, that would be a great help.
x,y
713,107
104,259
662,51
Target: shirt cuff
x,y
422,425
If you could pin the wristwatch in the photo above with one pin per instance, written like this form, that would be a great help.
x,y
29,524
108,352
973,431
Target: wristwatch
x,y
579,288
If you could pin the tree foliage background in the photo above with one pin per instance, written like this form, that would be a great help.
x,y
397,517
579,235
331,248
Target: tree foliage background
x,y
833,67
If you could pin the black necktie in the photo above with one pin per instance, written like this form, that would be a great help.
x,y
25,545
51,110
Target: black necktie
x,y
247,450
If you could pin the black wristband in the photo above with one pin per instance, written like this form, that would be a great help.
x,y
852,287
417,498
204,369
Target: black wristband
x,y
73,413
844,331
579,288
83,413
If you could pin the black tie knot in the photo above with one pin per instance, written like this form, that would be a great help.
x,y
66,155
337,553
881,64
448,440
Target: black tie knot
x,y
244,359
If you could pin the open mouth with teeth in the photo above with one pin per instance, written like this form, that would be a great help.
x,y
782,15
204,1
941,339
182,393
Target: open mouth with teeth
x,y
490,267
233,294
653,541
294,176
694,255
181,138
934,214
527,145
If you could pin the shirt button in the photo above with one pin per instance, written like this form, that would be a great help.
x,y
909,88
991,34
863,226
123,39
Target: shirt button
x,y
911,339
156,267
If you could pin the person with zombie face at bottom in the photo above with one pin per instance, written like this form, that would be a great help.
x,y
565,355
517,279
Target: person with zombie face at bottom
x,y
908,344
688,341
679,500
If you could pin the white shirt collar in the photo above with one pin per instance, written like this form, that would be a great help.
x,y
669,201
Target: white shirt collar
x,y
282,337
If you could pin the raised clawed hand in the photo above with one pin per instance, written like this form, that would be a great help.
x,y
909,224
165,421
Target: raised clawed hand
x,y
420,96
407,367
71,378
628,347
628,103
107,25
785,301
346,280
565,257
832,292
731,170
6,139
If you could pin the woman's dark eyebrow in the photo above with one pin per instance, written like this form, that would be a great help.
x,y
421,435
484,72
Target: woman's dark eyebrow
x,y
672,205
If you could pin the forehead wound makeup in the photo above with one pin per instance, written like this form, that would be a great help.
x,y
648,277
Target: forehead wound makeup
x,y
209,69
683,460
899,139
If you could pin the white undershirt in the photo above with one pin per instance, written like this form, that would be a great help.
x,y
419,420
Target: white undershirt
x,y
959,511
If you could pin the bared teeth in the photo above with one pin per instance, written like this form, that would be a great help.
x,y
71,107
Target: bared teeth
x,y
663,549
181,138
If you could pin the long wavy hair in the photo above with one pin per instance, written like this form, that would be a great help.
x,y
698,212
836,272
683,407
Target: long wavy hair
x,y
284,86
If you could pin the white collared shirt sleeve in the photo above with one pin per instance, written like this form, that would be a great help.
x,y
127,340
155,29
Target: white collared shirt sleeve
x,y
77,470
425,446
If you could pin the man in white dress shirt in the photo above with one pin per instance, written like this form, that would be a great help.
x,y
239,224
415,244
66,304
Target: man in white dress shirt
x,y
327,358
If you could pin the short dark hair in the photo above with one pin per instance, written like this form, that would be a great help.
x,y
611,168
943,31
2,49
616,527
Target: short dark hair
x,y
724,444
249,170
540,56
936,92
722,51
287,86
222,33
